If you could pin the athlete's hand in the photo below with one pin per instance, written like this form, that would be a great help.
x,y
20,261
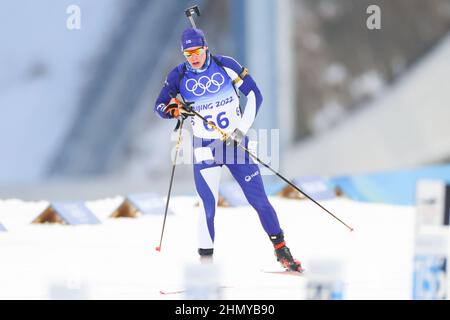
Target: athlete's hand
x,y
236,136
176,109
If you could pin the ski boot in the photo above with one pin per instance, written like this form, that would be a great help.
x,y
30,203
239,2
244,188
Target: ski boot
x,y
206,255
284,255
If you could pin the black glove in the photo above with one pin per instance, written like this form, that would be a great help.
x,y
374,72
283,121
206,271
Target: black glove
x,y
186,109
177,109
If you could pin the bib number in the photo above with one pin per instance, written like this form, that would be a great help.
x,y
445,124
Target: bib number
x,y
221,121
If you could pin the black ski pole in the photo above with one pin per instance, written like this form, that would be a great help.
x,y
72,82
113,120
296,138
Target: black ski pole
x,y
180,128
225,136
190,12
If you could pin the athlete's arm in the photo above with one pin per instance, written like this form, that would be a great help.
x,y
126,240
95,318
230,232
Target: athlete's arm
x,y
247,86
169,90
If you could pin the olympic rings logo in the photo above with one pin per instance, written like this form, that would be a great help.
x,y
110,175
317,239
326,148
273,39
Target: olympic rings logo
x,y
198,88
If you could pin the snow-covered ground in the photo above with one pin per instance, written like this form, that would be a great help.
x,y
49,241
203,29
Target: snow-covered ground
x,y
117,258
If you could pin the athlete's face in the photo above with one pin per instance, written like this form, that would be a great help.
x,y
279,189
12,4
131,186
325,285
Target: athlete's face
x,y
196,56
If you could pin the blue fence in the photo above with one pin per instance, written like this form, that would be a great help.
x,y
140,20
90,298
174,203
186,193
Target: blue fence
x,y
393,187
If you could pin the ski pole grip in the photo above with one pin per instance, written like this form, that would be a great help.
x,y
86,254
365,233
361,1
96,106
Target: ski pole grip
x,y
191,10
187,105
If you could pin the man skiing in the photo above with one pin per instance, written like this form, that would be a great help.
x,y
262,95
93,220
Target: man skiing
x,y
211,83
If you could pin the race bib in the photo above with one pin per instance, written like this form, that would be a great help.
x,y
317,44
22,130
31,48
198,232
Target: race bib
x,y
215,99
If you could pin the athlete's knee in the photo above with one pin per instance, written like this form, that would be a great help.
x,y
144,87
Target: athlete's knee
x,y
261,202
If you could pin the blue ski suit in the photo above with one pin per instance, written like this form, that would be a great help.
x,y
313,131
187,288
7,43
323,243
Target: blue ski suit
x,y
215,97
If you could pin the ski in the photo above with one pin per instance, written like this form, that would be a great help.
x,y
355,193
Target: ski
x,y
180,291
286,272
268,271
168,292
